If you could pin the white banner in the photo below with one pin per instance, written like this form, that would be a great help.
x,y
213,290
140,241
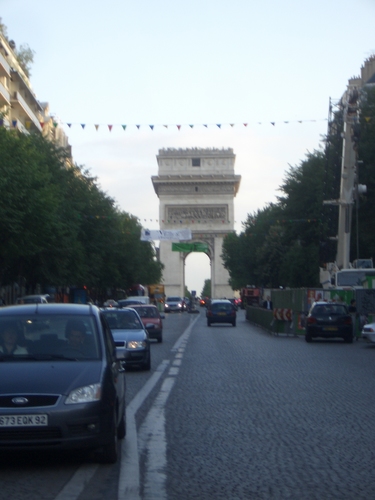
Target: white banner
x,y
166,234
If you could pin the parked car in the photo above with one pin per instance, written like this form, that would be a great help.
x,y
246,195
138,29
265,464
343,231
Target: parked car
x,y
368,332
62,385
131,337
151,319
175,304
221,311
34,299
329,320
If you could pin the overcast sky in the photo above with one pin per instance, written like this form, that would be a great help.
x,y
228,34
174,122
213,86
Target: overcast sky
x,y
273,65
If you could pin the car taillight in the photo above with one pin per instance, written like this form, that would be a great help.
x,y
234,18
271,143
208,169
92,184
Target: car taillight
x,y
311,320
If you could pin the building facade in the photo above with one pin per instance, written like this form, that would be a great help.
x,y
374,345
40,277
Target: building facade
x,y
19,107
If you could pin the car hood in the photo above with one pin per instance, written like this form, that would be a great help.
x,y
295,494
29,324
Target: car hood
x,y
47,377
126,335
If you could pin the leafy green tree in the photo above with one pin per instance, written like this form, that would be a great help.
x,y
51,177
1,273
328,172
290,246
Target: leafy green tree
x,y
206,290
59,228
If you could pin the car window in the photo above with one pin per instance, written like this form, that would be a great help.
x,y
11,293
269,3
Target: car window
x,y
174,299
124,319
147,312
222,306
41,336
329,309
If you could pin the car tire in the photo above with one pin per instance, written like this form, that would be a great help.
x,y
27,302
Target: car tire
x,y
109,453
121,429
208,323
160,339
147,364
348,339
308,337
234,323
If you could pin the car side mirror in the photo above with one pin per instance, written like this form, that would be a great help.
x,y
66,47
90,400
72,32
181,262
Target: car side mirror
x,y
162,316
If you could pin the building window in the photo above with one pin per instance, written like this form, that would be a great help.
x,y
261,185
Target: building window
x,y
196,162
196,188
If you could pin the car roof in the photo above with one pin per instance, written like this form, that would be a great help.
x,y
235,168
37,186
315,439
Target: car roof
x,y
59,308
220,300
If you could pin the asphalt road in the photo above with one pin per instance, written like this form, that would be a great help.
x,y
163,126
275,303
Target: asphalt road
x,y
228,413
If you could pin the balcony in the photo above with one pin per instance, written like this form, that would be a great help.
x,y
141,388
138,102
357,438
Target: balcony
x,y
4,96
4,66
19,103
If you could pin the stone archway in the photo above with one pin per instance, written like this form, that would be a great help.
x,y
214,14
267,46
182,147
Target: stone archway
x,y
196,189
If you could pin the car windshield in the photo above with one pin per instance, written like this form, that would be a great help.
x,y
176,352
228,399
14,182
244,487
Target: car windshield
x,y
329,309
44,336
123,319
174,299
147,312
221,306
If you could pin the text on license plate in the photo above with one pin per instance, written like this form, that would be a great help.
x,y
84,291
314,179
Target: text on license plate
x,y
23,420
222,314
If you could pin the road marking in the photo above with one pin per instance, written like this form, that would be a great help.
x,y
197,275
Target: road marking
x,y
78,483
129,471
129,481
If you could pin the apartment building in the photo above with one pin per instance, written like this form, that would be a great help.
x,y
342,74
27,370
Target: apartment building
x,y
19,107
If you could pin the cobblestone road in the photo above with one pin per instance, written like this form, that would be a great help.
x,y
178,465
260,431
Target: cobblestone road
x,y
255,416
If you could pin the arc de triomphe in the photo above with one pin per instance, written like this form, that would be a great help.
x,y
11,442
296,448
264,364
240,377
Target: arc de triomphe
x,y
196,188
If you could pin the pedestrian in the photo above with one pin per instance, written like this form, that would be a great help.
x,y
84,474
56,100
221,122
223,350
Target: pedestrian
x,y
352,306
267,304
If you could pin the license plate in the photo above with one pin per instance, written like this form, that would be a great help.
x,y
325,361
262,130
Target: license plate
x,y
23,420
222,314
330,329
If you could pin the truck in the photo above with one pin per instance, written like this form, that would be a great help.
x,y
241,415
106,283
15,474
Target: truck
x,y
250,296
157,295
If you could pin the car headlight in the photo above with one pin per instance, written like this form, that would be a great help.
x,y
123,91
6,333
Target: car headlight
x,y
134,344
85,394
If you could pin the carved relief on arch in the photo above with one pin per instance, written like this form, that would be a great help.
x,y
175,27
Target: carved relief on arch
x,y
197,212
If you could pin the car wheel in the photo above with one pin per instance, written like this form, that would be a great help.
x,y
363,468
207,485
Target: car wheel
x,y
121,429
208,323
308,337
234,323
109,454
160,339
348,338
147,364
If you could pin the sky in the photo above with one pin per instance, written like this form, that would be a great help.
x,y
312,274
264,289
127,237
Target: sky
x,y
272,65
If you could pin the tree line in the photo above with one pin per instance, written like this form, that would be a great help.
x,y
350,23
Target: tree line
x,y
285,243
58,228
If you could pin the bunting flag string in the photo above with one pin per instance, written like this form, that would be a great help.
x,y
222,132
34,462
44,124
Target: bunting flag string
x,y
179,127
368,119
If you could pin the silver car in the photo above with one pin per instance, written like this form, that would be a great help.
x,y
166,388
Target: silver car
x,y
174,304
130,336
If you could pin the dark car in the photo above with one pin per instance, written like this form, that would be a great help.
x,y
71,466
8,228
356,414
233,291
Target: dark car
x,y
62,386
221,311
131,337
329,320
152,320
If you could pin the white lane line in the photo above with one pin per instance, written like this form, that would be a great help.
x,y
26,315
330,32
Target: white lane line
x,y
154,428
129,471
129,480
78,483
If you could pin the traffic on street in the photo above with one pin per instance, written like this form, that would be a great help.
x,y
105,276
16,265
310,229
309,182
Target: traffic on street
x,y
226,413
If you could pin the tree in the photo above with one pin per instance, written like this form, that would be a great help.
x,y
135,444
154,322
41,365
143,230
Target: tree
x,y
59,228
206,290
